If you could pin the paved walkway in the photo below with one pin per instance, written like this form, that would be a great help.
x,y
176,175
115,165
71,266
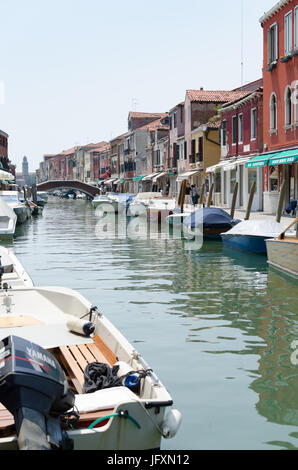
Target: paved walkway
x,y
240,214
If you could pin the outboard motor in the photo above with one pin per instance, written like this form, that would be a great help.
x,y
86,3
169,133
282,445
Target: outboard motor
x,y
33,387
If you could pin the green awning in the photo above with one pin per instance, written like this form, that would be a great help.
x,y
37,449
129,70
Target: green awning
x,y
258,161
138,178
283,158
277,158
171,175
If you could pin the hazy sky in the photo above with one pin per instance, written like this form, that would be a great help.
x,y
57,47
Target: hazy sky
x,y
73,69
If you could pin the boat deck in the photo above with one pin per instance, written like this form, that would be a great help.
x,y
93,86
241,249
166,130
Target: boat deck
x,y
290,239
73,359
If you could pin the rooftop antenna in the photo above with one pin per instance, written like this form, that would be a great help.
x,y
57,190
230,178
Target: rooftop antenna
x,y
134,104
242,43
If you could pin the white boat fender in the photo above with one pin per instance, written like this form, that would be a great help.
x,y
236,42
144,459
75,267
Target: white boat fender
x,y
171,423
82,327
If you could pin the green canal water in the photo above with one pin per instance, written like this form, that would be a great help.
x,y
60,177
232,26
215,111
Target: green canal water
x,y
216,325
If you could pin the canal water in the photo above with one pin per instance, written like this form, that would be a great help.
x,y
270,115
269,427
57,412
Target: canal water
x,y
216,325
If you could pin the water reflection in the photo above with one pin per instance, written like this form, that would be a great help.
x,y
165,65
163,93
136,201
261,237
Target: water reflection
x,y
220,316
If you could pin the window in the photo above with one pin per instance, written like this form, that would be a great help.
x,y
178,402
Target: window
x,y
234,129
181,151
175,120
288,33
193,146
273,112
296,102
201,147
240,128
288,106
296,28
253,124
177,151
185,150
272,43
181,114
224,133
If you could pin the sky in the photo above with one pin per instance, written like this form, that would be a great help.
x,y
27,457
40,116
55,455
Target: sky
x,y
71,70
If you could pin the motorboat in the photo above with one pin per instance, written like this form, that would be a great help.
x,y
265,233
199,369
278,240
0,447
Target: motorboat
x,y
43,195
81,196
8,220
22,210
67,371
106,203
211,221
250,235
177,217
121,201
12,272
152,205
114,202
282,252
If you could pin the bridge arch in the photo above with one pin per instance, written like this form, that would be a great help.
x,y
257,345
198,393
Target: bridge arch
x,y
77,185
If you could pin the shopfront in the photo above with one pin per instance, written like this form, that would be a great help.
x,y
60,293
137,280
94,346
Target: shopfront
x,y
277,167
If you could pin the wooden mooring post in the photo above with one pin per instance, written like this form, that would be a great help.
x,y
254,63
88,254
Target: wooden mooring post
x,y
250,201
234,200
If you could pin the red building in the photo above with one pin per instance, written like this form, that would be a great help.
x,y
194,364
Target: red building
x,y
3,144
241,140
280,114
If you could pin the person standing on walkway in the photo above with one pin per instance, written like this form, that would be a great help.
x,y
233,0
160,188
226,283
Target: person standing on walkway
x,y
194,194
188,193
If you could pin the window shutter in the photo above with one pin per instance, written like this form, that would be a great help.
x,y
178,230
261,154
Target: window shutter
x,y
269,47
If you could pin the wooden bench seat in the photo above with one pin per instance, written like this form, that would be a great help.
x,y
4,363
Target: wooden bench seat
x,y
73,360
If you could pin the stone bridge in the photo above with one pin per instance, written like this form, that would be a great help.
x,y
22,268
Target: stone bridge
x,y
77,185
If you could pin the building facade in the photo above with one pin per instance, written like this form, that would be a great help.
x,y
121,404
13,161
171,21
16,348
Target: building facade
x,y
280,114
241,140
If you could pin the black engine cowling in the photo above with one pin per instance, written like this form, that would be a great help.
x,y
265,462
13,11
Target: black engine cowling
x,y
33,387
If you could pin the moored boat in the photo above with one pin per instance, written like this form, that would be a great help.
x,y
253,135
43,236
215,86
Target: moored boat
x,y
151,205
250,235
213,221
43,195
60,337
8,220
105,201
282,251
21,209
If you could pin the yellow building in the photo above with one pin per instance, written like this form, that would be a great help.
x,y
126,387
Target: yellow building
x,y
206,150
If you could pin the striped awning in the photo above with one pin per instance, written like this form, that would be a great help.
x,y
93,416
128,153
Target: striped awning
x,y
150,177
233,165
187,175
214,168
159,175
110,181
